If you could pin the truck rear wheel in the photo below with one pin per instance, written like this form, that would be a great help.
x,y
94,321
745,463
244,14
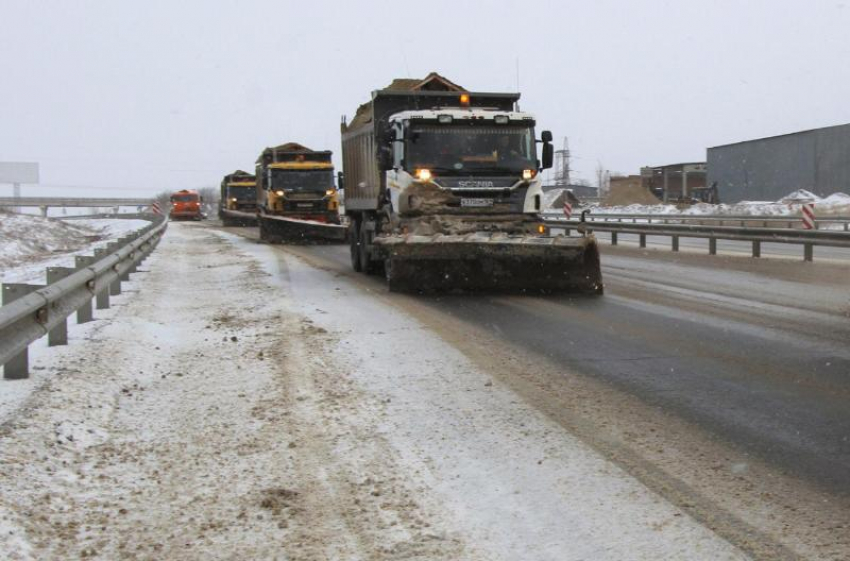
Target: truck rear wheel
x,y
366,264
354,243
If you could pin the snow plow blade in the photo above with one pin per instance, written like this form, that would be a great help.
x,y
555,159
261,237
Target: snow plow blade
x,y
238,218
277,229
491,262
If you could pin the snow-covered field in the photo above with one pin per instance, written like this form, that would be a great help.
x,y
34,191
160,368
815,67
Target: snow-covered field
x,y
29,244
238,403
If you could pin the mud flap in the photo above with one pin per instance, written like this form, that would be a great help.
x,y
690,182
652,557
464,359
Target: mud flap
x,y
492,262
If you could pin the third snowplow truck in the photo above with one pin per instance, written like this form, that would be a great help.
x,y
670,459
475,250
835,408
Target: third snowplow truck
x,y
443,191
296,198
238,202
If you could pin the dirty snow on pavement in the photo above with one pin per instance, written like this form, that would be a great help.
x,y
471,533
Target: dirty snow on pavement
x,y
239,403
29,244
513,483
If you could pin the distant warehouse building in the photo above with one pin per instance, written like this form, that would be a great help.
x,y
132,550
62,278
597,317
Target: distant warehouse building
x,y
767,169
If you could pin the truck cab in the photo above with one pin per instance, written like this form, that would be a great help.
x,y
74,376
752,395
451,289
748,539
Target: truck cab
x,y
186,205
239,192
459,160
296,182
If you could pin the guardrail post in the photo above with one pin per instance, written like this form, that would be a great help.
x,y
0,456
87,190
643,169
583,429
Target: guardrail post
x,y
18,367
125,276
675,243
712,246
642,240
59,334
115,287
808,252
613,238
756,248
84,313
102,299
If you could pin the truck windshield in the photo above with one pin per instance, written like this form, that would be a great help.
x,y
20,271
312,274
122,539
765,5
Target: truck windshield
x,y
472,148
242,193
313,180
184,199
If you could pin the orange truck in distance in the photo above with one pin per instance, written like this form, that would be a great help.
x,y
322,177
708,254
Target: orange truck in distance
x,y
186,205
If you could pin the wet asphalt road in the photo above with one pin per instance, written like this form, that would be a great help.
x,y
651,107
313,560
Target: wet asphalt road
x,y
758,360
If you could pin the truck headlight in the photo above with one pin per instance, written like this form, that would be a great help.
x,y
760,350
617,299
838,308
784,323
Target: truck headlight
x,y
279,193
233,199
423,174
329,192
528,174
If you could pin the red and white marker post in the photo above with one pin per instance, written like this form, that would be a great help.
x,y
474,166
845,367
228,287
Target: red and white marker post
x,y
808,212
568,210
155,208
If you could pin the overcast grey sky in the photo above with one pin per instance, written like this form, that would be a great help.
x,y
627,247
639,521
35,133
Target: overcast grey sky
x,y
126,98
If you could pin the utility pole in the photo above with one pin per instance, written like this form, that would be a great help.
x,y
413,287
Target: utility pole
x,y
562,165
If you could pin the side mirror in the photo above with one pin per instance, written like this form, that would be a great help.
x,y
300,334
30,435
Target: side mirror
x,y
340,181
546,136
548,154
385,157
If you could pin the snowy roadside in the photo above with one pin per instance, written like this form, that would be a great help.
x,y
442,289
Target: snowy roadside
x,y
243,404
29,244
837,204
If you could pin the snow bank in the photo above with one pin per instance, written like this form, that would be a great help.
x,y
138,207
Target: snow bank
x,y
836,199
23,237
800,196
837,204
29,244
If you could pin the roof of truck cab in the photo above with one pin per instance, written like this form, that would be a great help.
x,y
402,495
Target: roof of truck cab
x,y
463,113
289,148
300,165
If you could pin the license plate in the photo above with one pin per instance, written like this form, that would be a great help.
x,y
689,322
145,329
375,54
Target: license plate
x,y
476,202
305,205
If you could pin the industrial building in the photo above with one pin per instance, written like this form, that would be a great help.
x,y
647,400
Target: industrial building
x,y
767,169
675,182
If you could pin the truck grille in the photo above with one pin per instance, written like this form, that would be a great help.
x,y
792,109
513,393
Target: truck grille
x,y
464,183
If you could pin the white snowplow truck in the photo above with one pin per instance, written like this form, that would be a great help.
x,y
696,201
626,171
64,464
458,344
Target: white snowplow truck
x,y
443,192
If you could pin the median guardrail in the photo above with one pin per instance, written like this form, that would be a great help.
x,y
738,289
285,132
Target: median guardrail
x,y
715,219
755,235
29,311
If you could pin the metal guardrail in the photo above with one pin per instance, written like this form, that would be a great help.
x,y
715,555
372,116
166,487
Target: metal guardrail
x,y
31,311
719,219
69,201
758,235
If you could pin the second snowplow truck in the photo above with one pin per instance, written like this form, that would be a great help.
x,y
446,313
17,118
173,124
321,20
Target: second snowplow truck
x,y
443,192
296,198
238,202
